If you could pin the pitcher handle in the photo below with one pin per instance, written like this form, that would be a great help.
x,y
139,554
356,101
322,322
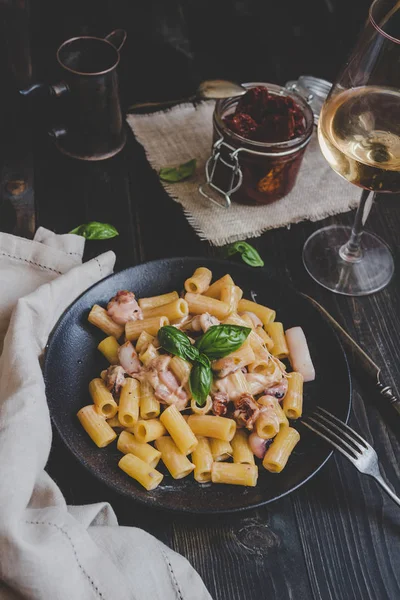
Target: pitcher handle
x,y
117,38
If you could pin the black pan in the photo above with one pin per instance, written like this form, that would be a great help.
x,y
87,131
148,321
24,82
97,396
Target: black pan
x,y
72,360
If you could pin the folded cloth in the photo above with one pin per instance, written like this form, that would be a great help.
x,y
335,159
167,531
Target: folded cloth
x,y
175,136
51,551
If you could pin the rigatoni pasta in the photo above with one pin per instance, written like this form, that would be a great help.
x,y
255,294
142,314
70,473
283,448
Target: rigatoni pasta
x,y
154,301
235,474
199,304
179,430
176,461
202,459
102,398
96,426
128,444
149,405
149,430
109,348
281,448
293,401
140,470
199,282
133,329
98,316
212,426
154,405
128,411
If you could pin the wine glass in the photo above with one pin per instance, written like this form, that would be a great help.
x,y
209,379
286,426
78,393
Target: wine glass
x,y
359,135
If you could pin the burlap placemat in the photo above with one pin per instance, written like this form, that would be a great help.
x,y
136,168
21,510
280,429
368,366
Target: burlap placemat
x,y
184,132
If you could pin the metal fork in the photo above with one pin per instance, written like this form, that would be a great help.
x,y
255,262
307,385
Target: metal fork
x,y
358,451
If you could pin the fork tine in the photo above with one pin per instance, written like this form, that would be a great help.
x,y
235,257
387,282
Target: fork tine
x,y
346,427
327,439
342,432
334,435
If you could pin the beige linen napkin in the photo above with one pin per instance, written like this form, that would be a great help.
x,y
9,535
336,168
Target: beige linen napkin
x,y
48,550
185,132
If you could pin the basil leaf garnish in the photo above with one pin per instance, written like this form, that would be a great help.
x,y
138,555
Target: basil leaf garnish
x,y
175,174
204,360
177,342
95,231
200,382
221,340
248,253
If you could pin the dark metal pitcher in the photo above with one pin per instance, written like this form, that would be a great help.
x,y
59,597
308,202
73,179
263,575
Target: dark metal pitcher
x,y
92,125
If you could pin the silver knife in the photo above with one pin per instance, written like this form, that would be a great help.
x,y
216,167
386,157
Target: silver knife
x,y
360,359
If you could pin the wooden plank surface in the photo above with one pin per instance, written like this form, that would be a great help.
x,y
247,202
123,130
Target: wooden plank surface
x,y
336,538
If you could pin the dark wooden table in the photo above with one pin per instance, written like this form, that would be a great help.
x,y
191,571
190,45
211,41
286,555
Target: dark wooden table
x,y
336,538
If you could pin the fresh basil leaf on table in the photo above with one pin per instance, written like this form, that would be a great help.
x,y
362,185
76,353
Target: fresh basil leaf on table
x,y
175,174
200,382
249,254
95,231
177,342
221,340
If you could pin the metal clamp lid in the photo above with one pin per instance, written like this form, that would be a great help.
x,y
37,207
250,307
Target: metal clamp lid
x,y
312,89
235,179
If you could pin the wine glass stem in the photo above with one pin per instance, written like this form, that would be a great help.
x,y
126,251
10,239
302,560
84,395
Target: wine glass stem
x,y
352,251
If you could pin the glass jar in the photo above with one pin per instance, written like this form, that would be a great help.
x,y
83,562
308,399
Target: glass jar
x,y
249,171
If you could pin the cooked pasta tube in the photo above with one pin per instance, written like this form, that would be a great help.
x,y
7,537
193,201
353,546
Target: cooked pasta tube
x,y
140,470
178,429
240,358
199,282
241,450
273,403
201,410
176,461
234,319
128,413
230,295
143,342
174,310
98,316
267,425
248,320
181,369
293,401
96,426
220,450
258,345
260,365
149,405
267,315
260,331
279,451
202,460
214,291
109,348
148,355
276,333
128,444
102,398
148,431
114,422
199,304
238,379
235,474
213,427
154,301
133,329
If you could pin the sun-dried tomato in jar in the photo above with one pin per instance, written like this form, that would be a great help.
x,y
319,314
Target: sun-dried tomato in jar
x,y
263,134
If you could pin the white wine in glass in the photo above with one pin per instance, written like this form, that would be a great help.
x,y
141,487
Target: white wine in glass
x,y
359,135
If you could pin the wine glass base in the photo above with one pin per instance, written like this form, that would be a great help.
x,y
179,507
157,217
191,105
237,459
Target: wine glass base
x,y
322,260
